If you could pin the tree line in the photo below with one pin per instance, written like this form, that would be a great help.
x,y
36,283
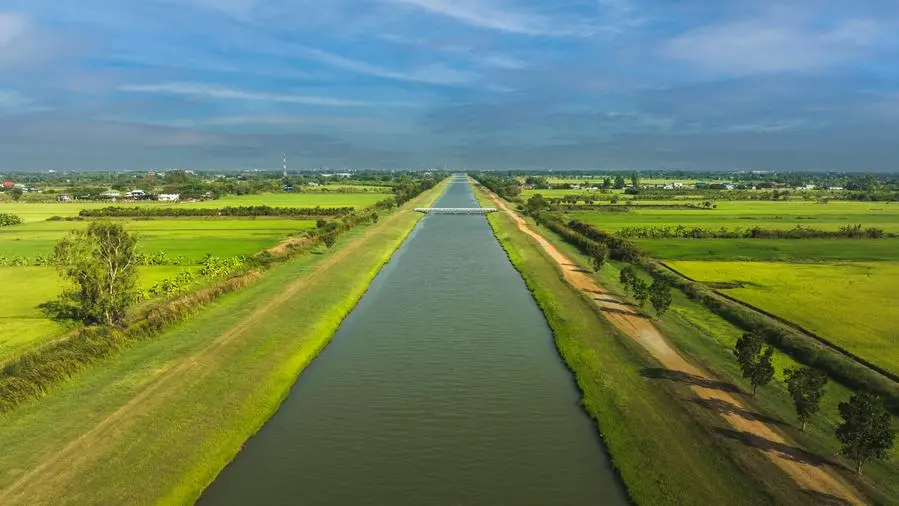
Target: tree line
x,y
866,430
797,232
236,211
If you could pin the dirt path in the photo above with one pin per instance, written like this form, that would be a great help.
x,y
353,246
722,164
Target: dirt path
x,y
807,470
65,464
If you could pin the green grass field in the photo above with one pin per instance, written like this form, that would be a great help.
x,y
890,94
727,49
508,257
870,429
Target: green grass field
x,y
31,212
191,238
215,380
795,250
749,214
853,305
22,325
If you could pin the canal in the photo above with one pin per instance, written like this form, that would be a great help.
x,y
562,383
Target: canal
x,y
443,386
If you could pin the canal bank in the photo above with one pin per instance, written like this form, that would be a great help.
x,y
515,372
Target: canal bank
x,y
443,386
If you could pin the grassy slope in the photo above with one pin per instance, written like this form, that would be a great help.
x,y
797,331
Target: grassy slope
x,y
191,238
854,305
662,454
217,392
707,339
22,325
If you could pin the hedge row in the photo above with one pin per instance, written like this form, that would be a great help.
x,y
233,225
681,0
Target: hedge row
x,y
797,232
172,211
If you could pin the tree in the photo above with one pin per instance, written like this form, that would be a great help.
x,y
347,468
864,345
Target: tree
x,y
641,291
660,296
619,182
606,183
599,253
627,277
536,204
806,387
635,180
330,239
15,193
866,431
754,357
102,263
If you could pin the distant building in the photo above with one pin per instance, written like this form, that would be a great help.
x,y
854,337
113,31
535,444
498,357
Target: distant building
x,y
8,184
63,198
111,194
834,187
168,197
288,187
136,194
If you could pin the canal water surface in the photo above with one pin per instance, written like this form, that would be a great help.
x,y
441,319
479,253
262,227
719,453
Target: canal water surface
x,y
443,386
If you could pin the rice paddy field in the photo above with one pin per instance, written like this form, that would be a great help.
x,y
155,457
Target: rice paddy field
x,y
749,214
22,289
187,237
843,290
33,212
854,305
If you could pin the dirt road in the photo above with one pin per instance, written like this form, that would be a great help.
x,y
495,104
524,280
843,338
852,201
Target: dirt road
x,y
807,470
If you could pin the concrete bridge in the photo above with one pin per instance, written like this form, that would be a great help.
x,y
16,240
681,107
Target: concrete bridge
x,y
455,210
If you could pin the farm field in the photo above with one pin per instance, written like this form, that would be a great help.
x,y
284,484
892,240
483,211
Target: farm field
x,y
191,238
32,212
851,304
22,325
795,250
749,214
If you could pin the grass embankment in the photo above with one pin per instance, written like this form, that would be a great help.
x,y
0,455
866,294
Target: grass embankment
x,y
662,454
707,340
781,250
853,305
155,424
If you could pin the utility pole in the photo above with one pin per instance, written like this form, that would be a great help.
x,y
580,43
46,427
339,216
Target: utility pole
x,y
284,164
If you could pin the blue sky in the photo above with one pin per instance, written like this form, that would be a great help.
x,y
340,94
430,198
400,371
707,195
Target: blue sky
x,y
610,84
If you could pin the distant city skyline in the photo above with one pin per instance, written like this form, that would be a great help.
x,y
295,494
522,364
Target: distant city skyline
x,y
501,84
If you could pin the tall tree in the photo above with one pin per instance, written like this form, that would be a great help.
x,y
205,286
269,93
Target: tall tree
x,y
754,357
866,431
536,204
635,180
660,296
627,277
806,387
641,291
15,193
599,253
619,182
101,261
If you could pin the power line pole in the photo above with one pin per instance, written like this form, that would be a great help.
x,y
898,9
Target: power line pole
x,y
284,164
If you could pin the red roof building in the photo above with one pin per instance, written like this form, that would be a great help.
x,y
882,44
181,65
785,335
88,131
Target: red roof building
x,y
8,184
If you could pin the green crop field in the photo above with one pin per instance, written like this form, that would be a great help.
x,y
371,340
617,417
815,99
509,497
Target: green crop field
x,y
749,214
795,250
853,305
31,212
22,324
191,238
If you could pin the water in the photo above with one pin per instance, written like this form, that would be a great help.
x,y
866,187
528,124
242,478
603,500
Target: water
x,y
442,387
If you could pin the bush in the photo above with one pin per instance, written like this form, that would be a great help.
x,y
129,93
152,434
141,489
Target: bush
x,y
8,220
170,211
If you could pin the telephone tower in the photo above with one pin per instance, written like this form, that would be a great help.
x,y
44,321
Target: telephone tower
x,y
284,164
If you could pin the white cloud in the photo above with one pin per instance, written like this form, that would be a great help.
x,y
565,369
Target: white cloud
x,y
436,73
218,92
12,26
764,45
493,16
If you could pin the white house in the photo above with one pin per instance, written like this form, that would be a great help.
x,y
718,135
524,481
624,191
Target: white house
x,y
168,197
136,194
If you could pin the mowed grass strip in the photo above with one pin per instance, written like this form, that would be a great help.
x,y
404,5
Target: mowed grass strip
x,y
853,305
191,238
662,454
22,289
155,424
